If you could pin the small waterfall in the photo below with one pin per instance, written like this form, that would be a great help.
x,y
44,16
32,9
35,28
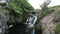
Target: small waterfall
x,y
3,24
30,24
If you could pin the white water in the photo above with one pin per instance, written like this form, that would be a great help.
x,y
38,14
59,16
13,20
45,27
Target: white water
x,y
30,23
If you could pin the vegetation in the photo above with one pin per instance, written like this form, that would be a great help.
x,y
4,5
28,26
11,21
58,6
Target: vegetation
x,y
57,31
56,6
16,9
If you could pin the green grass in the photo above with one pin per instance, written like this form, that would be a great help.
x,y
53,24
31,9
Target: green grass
x,y
57,30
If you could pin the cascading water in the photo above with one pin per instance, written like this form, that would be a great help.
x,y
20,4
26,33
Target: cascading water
x,y
3,24
30,24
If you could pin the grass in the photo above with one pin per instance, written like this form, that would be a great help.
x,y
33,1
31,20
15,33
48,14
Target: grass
x,y
57,30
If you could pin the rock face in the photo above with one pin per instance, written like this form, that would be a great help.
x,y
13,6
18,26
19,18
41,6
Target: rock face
x,y
48,24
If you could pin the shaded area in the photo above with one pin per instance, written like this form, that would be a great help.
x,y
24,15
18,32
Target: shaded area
x,y
17,29
20,29
39,31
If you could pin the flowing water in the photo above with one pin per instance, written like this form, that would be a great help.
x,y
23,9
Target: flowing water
x,y
30,24
3,23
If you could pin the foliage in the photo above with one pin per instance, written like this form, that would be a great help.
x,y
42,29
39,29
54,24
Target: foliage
x,y
55,6
18,5
58,13
45,10
16,9
57,31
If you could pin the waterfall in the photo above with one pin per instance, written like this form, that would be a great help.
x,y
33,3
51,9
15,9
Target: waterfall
x,y
31,20
3,24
